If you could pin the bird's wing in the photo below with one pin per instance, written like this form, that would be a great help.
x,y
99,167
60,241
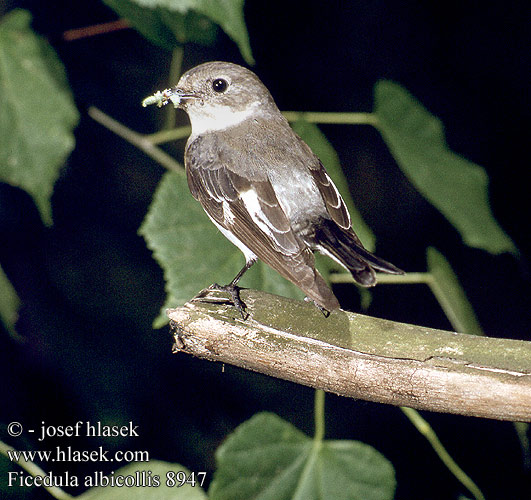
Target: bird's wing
x,y
334,202
249,209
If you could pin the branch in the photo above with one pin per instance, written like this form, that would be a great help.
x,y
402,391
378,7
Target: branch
x,y
361,357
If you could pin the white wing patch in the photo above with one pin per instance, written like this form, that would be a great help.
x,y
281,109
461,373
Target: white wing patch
x,y
228,216
249,255
252,204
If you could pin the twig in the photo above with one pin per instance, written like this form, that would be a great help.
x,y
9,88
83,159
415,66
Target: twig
x,y
173,77
95,29
35,471
169,135
425,429
363,357
390,279
138,140
319,415
317,117
447,305
339,118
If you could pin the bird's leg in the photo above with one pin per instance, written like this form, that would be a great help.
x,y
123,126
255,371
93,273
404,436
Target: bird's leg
x,y
232,289
237,278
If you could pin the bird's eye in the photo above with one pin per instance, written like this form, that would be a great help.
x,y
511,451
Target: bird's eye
x,y
220,85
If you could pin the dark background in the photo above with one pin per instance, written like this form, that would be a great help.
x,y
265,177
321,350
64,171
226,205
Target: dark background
x,y
90,288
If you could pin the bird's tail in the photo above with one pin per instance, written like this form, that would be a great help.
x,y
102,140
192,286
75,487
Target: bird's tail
x,y
321,294
345,247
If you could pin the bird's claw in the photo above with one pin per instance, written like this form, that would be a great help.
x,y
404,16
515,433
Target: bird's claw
x,y
232,290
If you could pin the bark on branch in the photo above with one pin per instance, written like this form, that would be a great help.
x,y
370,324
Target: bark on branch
x,y
362,357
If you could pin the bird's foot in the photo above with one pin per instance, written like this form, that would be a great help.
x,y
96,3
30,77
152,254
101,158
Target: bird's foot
x,y
232,290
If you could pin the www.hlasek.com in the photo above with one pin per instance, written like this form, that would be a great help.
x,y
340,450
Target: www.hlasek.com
x,y
70,455
140,478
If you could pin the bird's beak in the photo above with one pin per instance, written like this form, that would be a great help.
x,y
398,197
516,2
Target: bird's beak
x,y
180,96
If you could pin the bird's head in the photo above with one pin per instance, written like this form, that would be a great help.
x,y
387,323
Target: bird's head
x,y
218,95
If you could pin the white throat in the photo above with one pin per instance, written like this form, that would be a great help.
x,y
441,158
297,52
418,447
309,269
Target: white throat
x,y
214,119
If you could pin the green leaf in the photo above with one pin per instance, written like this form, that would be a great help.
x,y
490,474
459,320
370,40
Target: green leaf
x,y
168,489
226,13
166,28
319,144
450,294
191,250
267,458
37,111
9,303
454,185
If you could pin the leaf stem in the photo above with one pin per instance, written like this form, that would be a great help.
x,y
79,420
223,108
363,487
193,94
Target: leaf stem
x,y
173,77
35,471
339,118
426,430
414,278
142,142
521,430
389,279
319,416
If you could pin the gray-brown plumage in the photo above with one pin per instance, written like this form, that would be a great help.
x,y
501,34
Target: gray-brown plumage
x,y
261,184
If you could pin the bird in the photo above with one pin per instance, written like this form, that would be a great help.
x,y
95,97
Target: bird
x,y
262,185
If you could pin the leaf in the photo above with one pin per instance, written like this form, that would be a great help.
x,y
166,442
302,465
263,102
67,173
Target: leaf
x,y
166,28
140,474
226,13
450,295
319,144
9,303
191,250
267,458
38,113
454,185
